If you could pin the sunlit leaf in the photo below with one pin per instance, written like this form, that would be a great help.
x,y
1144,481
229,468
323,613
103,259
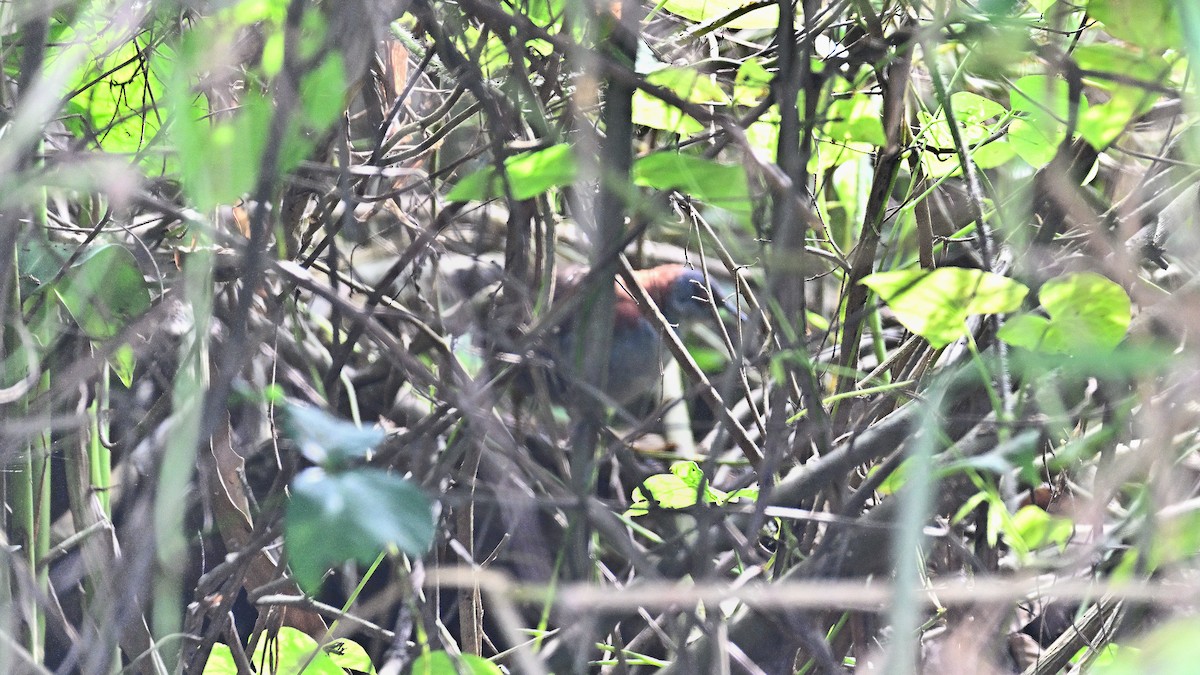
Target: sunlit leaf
x,y
653,112
441,663
856,119
349,655
1170,649
1044,106
1038,529
1087,312
714,10
716,184
689,84
664,490
529,175
290,652
1153,24
935,305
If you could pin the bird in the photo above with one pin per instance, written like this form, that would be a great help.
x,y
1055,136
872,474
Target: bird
x,y
638,351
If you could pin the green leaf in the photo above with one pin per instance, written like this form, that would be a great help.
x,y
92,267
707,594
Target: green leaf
x,y
441,663
1087,313
220,161
529,175
291,652
653,112
104,291
349,655
1153,24
353,515
122,364
935,305
38,262
721,185
712,10
1044,105
323,93
325,439
663,490
119,87
1103,123
858,118
978,118
1041,5
1037,529
220,661
1171,649
689,84
1018,452
751,84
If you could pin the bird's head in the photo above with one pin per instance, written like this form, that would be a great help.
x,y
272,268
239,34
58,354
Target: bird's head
x,y
683,294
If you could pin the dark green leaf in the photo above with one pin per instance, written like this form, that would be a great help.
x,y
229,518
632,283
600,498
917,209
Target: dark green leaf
x,y
104,291
325,439
353,515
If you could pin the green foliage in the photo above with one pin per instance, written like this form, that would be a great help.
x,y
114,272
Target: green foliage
x,y
978,120
337,513
113,93
935,305
1087,312
292,652
729,13
1043,105
1153,24
352,515
529,174
722,185
327,440
679,489
1172,649
442,663
104,291
224,149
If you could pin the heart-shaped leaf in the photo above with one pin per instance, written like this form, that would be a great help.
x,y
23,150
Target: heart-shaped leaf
x,y
1086,312
104,291
352,515
935,305
327,440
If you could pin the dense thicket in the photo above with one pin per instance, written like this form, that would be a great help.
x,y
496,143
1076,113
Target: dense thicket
x,y
312,350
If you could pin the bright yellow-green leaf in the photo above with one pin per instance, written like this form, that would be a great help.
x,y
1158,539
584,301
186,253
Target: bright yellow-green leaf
x,y
935,305
1037,529
1153,24
722,185
655,113
1171,649
529,175
441,663
703,11
1087,312
689,84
